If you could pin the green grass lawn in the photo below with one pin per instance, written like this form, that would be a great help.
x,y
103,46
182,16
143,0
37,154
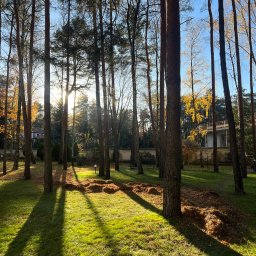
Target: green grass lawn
x,y
75,223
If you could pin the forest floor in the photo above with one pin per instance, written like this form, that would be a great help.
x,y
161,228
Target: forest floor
x,y
87,215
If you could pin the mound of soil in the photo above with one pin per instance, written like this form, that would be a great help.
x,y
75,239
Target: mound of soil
x,y
216,217
94,188
71,187
153,191
205,209
111,189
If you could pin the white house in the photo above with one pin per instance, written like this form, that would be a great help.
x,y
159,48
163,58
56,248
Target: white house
x,y
222,135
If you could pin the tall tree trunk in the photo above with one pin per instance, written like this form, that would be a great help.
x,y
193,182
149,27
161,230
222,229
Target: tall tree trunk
x,y
30,79
162,85
214,152
105,97
230,116
60,161
135,126
48,183
113,92
97,83
6,100
173,153
17,136
152,117
74,119
251,80
157,93
240,95
65,111
27,174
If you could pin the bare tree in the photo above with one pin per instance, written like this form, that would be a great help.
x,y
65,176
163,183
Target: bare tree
x,y
113,90
153,119
230,116
214,152
20,45
97,83
6,98
240,94
65,110
48,183
132,26
251,79
105,98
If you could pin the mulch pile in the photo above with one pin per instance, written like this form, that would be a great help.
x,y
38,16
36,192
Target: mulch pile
x,y
205,209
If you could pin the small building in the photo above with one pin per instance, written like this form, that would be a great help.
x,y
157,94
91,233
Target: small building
x,y
222,132
37,134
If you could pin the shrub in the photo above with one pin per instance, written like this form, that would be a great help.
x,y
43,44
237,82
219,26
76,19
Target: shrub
x,y
55,152
40,151
82,160
147,158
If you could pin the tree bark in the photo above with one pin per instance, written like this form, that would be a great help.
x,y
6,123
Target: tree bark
x,y
135,126
27,173
97,83
152,117
240,95
251,80
105,97
214,151
162,85
65,111
6,100
17,136
230,116
74,119
113,93
30,79
173,153
60,161
48,183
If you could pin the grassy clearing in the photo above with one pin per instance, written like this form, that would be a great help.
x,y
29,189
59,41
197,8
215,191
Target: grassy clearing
x,y
74,223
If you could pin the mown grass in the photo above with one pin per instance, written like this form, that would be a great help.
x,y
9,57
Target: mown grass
x,y
75,223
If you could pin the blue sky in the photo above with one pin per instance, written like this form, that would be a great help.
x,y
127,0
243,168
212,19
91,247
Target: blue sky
x,y
197,14
200,13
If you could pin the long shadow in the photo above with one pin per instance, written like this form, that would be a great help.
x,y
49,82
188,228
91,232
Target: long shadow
x,y
109,238
137,178
54,231
42,223
194,235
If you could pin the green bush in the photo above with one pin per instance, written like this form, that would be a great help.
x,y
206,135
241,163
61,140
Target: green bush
x,y
82,160
40,151
55,152
147,158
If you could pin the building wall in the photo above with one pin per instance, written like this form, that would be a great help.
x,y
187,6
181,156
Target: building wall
x,y
222,139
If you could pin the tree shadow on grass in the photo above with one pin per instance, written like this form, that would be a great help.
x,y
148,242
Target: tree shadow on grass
x,y
43,224
137,178
193,234
106,233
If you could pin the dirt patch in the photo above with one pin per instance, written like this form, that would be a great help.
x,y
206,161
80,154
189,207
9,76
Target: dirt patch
x,y
111,189
153,191
95,188
205,209
71,187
